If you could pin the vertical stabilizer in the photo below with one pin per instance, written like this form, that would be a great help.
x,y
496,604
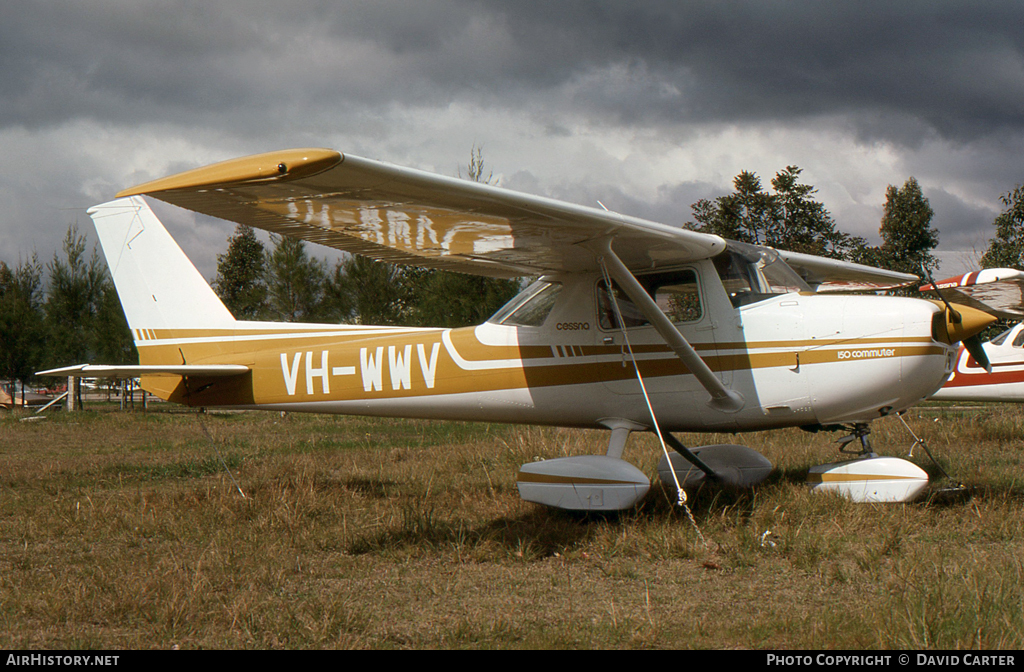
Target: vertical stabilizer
x,y
158,286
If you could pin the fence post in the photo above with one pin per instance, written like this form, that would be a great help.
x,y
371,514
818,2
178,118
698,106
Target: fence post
x,y
72,399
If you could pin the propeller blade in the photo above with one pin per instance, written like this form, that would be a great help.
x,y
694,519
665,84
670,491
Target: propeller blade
x,y
973,346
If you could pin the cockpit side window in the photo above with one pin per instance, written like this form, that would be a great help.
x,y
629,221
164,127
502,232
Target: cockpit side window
x,y
678,296
677,293
608,310
1019,341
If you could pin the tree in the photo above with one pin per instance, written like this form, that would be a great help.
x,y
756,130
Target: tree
x,y
241,270
788,219
475,169
375,291
907,236
743,215
75,288
1006,250
113,339
295,282
448,299
22,329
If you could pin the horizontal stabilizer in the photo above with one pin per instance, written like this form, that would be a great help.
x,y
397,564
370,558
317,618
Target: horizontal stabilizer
x,y
133,371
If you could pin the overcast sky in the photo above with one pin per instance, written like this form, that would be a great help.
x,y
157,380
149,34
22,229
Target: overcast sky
x,y
645,106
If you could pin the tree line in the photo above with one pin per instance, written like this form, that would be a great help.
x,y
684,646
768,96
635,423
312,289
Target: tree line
x,y
75,316
789,218
284,283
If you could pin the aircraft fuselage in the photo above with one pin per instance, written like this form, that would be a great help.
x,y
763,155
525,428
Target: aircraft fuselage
x,y
558,357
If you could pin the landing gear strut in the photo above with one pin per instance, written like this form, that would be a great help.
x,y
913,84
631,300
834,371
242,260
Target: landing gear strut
x,y
861,430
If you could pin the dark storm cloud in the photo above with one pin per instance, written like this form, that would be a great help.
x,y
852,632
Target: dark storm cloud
x,y
229,63
957,68
936,88
963,226
110,61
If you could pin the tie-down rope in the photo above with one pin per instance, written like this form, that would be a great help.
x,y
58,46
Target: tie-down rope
x,y
654,418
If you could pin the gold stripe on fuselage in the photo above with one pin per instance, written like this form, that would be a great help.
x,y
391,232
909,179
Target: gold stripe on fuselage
x,y
365,363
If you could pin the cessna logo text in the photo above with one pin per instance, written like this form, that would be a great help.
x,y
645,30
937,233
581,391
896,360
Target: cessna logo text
x,y
866,354
573,326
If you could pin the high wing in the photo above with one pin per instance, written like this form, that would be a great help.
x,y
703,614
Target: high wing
x,y
412,217
998,291
408,216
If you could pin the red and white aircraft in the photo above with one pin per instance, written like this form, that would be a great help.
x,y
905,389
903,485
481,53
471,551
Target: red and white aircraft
x,y
1001,378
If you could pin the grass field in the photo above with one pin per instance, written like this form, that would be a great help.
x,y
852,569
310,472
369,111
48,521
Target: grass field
x,y
123,530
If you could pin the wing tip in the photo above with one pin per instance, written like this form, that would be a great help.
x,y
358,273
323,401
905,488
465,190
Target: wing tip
x,y
279,165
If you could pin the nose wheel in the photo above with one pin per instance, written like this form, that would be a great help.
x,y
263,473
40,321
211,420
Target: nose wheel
x,y
859,435
867,477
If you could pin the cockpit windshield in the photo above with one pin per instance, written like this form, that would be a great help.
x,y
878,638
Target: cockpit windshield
x,y
998,340
751,274
531,307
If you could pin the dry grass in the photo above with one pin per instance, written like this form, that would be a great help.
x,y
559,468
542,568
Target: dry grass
x,y
124,531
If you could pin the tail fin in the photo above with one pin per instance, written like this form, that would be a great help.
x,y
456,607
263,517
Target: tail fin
x,y
158,286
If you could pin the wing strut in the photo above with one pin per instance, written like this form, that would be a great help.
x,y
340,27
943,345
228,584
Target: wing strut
x,y
722,398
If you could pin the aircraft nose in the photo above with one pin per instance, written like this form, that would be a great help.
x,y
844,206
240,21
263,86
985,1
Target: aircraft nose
x,y
960,323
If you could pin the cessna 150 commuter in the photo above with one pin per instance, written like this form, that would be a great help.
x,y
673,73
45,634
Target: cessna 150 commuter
x,y
631,325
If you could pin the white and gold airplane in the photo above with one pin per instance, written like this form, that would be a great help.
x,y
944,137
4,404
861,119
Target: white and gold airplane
x,y
698,333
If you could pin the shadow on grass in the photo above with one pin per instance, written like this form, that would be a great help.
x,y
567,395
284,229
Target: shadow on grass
x,y
534,535
543,532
